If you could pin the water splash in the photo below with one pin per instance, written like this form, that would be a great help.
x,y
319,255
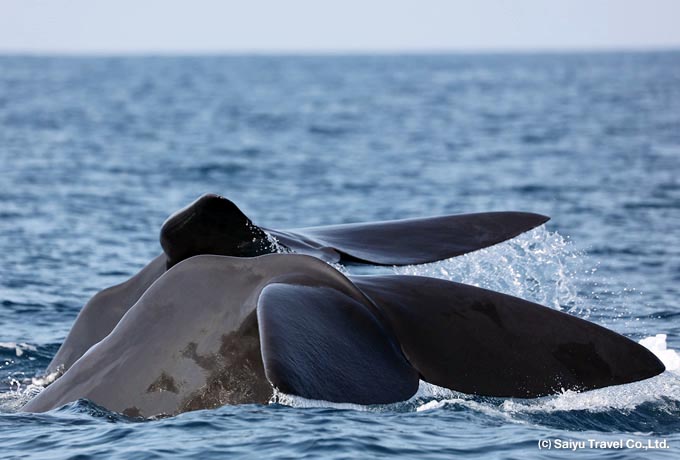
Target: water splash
x,y
543,267
23,390
299,402
539,265
19,348
12,401
275,245
281,249
426,392
657,345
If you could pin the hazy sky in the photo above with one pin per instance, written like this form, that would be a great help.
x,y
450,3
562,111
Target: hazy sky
x,y
166,26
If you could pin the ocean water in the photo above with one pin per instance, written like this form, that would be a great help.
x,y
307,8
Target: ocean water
x,y
96,152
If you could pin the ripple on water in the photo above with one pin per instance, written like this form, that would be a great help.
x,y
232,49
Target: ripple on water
x,y
97,152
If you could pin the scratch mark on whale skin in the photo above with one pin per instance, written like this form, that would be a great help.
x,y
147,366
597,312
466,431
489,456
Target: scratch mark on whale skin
x,y
164,382
235,373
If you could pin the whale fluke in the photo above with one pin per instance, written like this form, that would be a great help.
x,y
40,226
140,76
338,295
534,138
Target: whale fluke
x,y
322,344
487,343
214,225
414,241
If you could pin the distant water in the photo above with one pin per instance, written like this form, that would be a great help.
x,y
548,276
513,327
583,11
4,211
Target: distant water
x,y
95,153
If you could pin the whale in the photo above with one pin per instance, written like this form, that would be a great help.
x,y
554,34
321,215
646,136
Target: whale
x,y
214,330
213,224
232,313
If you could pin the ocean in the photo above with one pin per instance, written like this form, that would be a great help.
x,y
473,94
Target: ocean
x,y
95,153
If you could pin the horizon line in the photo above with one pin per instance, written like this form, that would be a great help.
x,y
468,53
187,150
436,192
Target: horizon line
x,y
339,52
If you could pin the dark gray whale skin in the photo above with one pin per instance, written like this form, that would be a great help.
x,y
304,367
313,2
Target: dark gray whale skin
x,y
486,343
214,225
217,330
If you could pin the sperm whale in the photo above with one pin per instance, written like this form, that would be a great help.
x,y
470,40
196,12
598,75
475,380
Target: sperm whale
x,y
230,311
217,330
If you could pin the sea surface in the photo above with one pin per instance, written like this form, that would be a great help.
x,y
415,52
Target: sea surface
x,y
96,152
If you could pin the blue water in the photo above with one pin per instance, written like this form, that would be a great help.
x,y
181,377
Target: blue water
x,y
96,152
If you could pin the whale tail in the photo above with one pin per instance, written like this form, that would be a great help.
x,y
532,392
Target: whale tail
x,y
214,225
456,336
320,343
418,241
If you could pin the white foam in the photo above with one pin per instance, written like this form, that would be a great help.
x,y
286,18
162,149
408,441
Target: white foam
x,y
621,397
19,348
434,405
420,402
425,391
14,400
44,380
275,245
657,345
300,402
23,390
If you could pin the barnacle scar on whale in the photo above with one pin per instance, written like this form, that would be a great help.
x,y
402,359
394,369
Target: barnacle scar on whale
x,y
221,317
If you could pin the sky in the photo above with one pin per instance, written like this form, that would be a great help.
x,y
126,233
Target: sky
x,y
353,26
